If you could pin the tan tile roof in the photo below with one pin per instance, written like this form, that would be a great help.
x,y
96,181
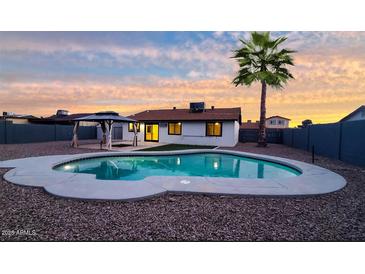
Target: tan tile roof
x,y
278,116
252,125
221,114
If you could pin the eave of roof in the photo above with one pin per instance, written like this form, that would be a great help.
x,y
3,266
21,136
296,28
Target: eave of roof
x,y
278,116
19,117
65,118
98,118
221,114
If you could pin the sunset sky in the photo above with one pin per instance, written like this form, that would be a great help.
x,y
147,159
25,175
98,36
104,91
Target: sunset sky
x,y
128,72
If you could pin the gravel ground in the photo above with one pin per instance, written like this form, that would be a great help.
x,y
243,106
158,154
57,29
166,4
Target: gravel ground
x,y
30,214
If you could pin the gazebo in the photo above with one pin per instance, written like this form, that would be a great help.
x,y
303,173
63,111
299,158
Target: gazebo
x,y
105,119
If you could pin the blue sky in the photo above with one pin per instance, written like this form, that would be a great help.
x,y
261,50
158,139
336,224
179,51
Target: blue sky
x,y
132,71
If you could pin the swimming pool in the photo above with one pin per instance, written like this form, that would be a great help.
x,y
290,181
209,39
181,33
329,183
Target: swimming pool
x,y
198,164
140,174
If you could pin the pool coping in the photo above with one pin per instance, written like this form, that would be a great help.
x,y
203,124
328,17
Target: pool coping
x,y
39,172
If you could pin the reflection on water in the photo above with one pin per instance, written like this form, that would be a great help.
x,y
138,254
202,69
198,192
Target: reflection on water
x,y
207,165
260,170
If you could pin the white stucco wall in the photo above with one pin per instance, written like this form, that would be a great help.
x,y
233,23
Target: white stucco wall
x,y
236,133
130,135
193,133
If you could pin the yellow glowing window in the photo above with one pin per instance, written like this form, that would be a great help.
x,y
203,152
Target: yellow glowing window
x,y
130,127
151,132
214,129
175,128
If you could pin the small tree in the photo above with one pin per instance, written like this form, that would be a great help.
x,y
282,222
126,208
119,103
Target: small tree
x,y
306,123
260,60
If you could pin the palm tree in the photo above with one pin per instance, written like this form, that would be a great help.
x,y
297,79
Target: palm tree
x,y
261,60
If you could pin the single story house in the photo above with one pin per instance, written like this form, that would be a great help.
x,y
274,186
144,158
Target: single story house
x,y
193,126
17,118
62,117
357,114
250,125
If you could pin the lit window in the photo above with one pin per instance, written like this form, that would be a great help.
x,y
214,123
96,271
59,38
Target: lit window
x,y
130,127
214,129
175,128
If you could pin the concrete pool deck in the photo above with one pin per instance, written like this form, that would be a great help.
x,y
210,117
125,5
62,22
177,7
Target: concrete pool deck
x,y
39,172
127,145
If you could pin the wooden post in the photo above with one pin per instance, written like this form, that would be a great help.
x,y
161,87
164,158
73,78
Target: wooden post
x,y
74,138
110,129
135,134
110,134
107,140
103,129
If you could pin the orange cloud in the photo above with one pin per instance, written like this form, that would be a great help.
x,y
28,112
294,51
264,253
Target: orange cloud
x,y
324,101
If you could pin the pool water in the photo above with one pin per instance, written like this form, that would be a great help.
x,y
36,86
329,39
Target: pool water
x,y
201,164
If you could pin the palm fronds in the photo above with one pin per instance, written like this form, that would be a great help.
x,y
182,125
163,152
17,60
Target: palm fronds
x,y
260,59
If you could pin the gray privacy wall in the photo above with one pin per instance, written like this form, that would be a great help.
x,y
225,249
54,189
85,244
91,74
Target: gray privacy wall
x,y
300,138
28,133
353,142
343,141
326,140
251,135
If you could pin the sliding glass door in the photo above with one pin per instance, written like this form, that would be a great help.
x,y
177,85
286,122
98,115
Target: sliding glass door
x,y
151,132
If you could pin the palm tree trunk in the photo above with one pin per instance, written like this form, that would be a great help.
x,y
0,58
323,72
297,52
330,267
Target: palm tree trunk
x,y
262,128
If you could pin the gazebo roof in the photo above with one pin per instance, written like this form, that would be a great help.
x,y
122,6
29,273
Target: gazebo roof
x,y
105,116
